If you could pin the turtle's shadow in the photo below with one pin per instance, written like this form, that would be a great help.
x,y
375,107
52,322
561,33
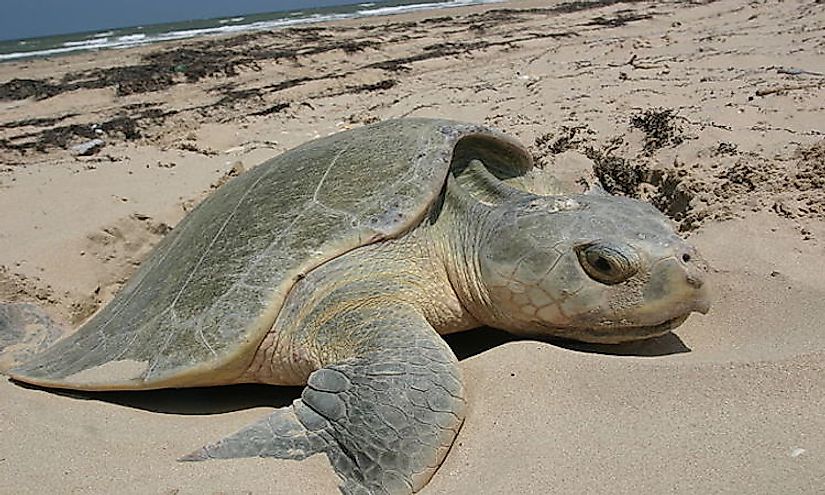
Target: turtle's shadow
x,y
217,400
473,343
196,401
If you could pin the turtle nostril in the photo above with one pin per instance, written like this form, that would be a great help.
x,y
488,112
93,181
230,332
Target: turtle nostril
x,y
686,257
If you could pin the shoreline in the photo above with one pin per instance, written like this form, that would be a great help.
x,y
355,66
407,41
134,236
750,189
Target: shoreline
x,y
96,41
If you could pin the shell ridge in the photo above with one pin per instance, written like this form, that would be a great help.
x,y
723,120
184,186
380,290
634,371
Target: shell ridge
x,y
214,240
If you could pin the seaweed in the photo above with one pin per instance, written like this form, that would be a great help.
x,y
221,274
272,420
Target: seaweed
x,y
659,128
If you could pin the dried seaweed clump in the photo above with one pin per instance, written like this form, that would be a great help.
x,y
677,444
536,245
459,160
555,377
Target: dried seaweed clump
x,y
660,128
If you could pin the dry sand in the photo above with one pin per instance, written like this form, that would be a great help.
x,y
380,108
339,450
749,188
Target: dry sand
x,y
712,110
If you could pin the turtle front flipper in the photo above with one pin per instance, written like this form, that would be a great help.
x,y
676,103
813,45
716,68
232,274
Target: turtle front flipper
x,y
385,416
279,435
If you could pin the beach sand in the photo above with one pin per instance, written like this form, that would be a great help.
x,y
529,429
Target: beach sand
x,y
711,110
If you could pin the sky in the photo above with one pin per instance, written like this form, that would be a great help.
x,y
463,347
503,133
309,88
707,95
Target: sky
x,y
33,18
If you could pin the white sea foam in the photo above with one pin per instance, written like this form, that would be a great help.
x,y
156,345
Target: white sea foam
x,y
225,26
90,43
401,9
131,38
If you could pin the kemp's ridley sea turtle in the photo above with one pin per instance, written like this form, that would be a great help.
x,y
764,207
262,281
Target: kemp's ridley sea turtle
x,y
338,264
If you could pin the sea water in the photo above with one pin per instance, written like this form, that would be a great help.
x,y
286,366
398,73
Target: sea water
x,y
142,35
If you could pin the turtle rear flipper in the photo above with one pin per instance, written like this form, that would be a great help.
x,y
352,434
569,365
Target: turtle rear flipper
x,y
385,417
25,330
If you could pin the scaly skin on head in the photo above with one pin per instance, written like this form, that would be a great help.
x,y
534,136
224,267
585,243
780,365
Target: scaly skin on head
x,y
594,268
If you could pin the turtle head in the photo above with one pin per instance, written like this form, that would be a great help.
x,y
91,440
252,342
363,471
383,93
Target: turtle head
x,y
594,268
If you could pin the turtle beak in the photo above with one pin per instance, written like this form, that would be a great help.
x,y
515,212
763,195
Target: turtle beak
x,y
702,303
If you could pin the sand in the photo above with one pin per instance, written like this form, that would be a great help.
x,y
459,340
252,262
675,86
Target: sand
x,y
711,110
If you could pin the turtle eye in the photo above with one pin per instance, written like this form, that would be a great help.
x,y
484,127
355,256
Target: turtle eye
x,y
608,263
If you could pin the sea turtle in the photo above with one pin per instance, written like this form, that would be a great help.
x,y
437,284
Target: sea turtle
x,y
338,264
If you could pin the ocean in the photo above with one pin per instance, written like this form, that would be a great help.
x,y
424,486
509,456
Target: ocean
x,y
143,35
